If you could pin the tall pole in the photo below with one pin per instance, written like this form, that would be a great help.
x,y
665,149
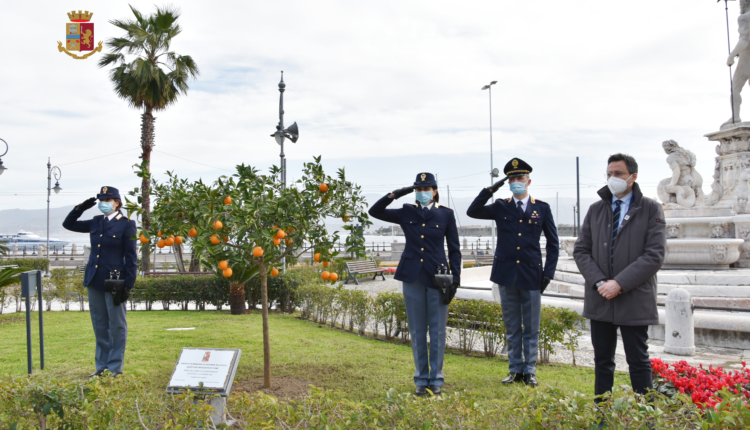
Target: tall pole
x,y
280,127
729,52
578,197
492,166
557,208
49,189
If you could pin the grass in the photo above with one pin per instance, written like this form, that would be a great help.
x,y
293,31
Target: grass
x,y
361,368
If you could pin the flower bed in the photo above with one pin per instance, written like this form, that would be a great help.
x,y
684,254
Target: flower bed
x,y
704,386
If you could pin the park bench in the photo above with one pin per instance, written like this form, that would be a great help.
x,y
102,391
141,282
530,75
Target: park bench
x,y
360,267
484,260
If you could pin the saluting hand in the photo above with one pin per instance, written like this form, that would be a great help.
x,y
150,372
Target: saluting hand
x,y
496,186
87,204
401,192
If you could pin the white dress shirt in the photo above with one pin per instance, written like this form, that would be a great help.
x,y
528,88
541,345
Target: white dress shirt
x,y
524,202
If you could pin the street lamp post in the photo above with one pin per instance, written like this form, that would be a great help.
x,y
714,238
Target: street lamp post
x,y
291,133
494,173
51,171
3,168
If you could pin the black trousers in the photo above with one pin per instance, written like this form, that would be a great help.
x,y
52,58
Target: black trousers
x,y
604,339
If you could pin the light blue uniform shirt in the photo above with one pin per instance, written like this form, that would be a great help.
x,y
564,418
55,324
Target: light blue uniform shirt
x,y
624,206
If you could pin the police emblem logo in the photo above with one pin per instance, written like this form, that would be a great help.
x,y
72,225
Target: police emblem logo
x,y
79,35
515,163
423,175
104,190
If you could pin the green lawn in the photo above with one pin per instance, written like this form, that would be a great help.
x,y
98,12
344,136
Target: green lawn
x,y
361,368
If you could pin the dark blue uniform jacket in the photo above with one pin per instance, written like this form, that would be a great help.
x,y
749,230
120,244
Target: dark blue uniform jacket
x,y
111,248
518,257
425,236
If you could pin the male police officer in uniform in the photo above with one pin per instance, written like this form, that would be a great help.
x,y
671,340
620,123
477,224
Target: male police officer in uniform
x,y
517,267
427,227
112,253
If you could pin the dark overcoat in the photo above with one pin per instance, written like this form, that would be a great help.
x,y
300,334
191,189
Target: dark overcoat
x,y
518,255
111,248
426,234
639,252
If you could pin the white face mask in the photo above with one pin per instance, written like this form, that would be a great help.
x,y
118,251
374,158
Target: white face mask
x,y
618,185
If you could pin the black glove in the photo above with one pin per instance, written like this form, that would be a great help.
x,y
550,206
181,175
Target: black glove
x,y
545,283
121,296
402,192
451,293
86,205
496,186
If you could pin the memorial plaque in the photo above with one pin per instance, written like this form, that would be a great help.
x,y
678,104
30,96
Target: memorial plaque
x,y
215,368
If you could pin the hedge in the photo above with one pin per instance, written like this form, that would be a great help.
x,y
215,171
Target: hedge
x,y
27,263
124,403
473,321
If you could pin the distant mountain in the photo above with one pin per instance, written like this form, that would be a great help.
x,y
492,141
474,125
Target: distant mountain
x,y
35,220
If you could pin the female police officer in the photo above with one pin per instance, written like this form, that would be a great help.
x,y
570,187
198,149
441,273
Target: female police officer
x,y
112,252
426,226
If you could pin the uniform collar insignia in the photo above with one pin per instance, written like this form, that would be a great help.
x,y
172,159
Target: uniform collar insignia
x,y
118,217
531,199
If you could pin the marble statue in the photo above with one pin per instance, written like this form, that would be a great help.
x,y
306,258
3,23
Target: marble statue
x,y
742,192
685,187
741,50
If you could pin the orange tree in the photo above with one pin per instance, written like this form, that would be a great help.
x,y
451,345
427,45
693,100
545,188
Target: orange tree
x,y
244,225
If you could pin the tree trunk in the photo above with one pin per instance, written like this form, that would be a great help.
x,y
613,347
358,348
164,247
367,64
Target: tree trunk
x,y
266,340
147,145
237,299
178,258
195,264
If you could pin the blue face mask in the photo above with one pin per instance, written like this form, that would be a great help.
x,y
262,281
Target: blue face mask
x,y
105,207
518,188
424,197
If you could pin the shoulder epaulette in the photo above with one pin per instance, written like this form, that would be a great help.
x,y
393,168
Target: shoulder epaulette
x,y
445,207
509,199
542,201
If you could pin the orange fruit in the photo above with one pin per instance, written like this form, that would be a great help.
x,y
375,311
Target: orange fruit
x,y
161,243
276,241
169,241
227,200
289,241
223,264
281,234
258,251
143,239
317,257
325,264
193,232
178,239
333,277
227,272
325,275
275,272
225,238
159,233
323,187
218,225
345,218
215,239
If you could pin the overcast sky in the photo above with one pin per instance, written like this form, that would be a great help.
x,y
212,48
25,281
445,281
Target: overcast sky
x,y
387,89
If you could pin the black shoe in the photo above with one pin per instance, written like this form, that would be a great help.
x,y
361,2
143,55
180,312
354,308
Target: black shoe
x,y
420,391
97,373
513,377
116,374
435,390
530,380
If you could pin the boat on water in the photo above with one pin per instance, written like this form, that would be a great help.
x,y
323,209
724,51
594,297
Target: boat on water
x,y
31,241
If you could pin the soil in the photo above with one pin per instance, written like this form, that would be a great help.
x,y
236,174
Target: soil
x,y
282,387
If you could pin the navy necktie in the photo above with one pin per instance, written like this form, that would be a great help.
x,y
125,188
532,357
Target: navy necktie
x,y
520,208
615,229
106,219
424,210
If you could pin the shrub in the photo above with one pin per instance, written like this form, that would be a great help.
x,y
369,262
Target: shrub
x,y
385,308
463,316
28,263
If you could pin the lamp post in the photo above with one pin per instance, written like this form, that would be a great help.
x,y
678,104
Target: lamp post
x,y
291,133
494,173
3,168
51,171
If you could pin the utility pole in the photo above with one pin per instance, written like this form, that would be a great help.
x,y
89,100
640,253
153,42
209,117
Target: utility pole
x,y
493,172
578,198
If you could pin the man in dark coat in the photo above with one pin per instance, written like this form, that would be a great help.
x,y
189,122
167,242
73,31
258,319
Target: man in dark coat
x,y
517,267
620,249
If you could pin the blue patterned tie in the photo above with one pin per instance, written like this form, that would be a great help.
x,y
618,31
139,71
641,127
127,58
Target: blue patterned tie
x,y
615,229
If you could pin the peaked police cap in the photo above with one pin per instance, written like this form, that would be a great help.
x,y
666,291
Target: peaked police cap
x,y
425,180
517,167
108,193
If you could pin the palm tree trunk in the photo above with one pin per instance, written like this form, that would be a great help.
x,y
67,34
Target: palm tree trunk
x,y
266,340
147,145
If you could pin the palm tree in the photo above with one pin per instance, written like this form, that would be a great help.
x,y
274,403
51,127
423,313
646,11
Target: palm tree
x,y
153,80
4,249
